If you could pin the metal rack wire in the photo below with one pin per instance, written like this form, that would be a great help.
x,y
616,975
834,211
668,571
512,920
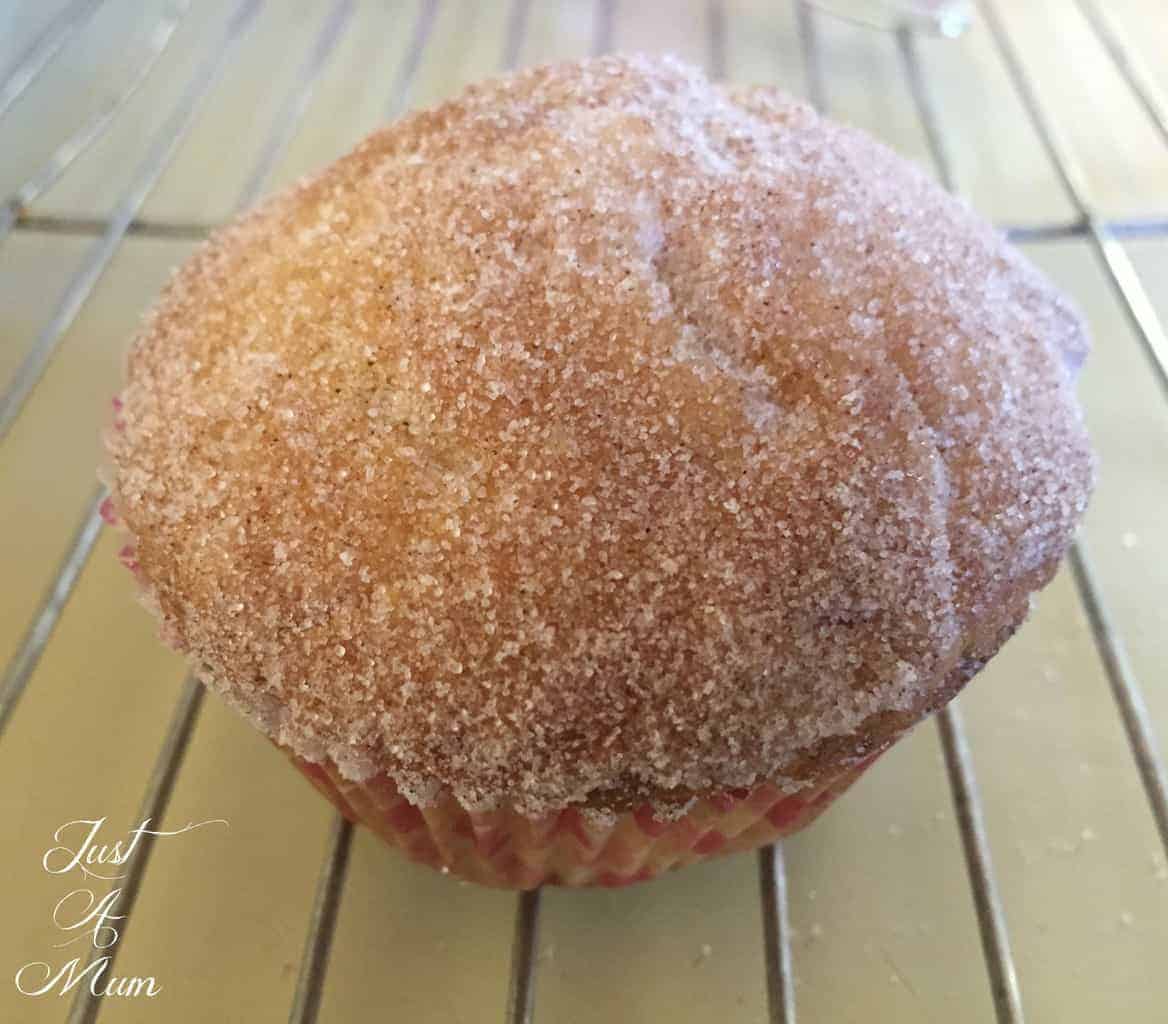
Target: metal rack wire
x,y
1104,237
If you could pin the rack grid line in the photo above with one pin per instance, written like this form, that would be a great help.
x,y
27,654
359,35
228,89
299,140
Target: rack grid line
x,y
36,639
1103,236
987,900
1138,79
1052,231
58,224
815,81
1149,227
716,38
408,72
92,129
1133,709
310,984
291,114
958,758
780,974
1141,314
1120,271
87,1003
40,52
98,259
776,934
521,988
604,18
322,923
517,23
19,670
32,645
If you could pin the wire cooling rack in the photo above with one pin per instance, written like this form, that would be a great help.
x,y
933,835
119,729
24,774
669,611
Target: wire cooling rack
x,y
1106,238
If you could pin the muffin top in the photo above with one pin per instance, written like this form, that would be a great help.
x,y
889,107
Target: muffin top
x,y
602,435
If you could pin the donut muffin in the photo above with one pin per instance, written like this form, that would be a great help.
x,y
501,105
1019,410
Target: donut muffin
x,y
596,472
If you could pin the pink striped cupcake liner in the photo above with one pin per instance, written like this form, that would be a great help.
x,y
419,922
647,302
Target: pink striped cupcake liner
x,y
507,850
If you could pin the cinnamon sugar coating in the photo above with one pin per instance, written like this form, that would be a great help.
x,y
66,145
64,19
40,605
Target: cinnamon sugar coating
x,y
602,434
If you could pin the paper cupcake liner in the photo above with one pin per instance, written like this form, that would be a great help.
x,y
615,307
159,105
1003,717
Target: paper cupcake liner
x,y
506,850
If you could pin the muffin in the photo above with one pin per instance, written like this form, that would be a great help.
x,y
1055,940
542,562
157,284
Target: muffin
x,y
595,473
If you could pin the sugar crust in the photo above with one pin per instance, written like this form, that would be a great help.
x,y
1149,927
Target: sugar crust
x,y
601,435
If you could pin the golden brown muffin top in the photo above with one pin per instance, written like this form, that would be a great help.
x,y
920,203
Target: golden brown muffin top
x,y
600,431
